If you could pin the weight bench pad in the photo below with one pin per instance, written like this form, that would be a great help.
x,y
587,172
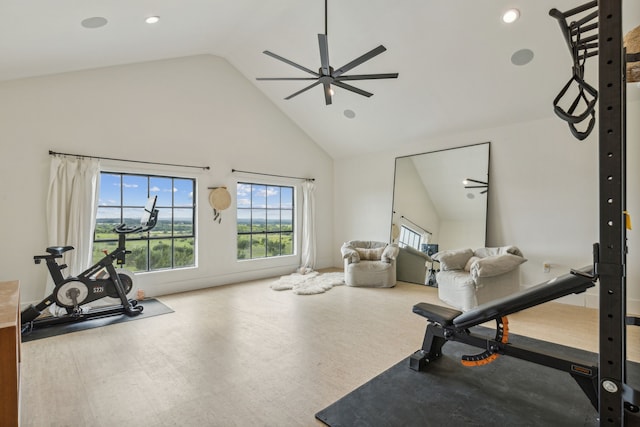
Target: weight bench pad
x,y
530,297
442,315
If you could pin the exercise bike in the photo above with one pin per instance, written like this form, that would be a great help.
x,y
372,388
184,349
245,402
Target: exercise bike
x,y
99,281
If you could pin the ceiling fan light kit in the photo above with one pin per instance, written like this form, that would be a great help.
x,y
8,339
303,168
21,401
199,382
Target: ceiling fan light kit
x,y
327,75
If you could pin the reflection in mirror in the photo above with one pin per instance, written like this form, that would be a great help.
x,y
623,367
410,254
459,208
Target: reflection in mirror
x,y
439,203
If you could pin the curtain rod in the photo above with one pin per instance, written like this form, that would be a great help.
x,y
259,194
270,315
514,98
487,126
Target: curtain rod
x,y
53,153
422,228
269,174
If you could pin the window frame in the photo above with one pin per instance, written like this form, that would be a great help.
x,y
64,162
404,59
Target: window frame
x,y
412,234
147,238
293,230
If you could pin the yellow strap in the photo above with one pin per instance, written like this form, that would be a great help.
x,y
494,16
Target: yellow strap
x,y
627,220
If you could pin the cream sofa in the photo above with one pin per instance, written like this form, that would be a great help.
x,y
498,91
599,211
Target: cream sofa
x,y
469,278
369,263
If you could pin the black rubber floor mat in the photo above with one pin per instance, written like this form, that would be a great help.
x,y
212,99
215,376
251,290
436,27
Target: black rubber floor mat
x,y
152,307
507,392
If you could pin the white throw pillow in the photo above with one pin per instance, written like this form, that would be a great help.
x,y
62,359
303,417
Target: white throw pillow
x,y
453,259
373,254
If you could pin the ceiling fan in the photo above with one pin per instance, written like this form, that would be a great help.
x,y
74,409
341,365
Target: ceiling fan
x,y
327,75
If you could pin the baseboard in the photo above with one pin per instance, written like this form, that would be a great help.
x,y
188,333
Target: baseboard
x,y
592,301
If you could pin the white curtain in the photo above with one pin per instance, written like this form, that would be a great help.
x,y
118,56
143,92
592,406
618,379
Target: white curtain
x,y
308,252
72,204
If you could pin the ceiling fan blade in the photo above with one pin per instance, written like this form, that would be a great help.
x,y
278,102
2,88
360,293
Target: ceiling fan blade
x,y
327,93
352,89
367,56
316,83
324,54
285,60
368,76
286,78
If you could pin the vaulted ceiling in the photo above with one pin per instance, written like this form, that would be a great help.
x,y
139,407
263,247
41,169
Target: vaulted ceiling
x,y
454,58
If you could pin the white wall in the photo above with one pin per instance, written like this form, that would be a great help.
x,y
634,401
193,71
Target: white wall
x,y
462,234
196,110
633,206
543,196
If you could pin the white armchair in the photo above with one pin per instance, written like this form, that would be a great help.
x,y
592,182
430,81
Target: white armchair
x,y
369,263
469,278
412,265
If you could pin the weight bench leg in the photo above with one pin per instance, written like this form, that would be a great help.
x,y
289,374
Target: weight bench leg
x,y
431,348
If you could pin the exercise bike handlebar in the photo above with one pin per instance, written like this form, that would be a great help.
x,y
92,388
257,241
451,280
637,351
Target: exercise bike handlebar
x,y
148,221
126,229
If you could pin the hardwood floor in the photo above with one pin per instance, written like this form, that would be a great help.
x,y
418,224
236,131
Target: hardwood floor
x,y
245,355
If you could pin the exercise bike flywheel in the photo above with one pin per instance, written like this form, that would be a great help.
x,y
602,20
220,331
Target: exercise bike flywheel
x,y
127,284
67,291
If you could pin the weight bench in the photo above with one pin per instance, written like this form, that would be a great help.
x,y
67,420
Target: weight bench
x,y
445,324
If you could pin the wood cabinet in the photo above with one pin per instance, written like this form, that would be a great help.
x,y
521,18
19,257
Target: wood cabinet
x,y
10,341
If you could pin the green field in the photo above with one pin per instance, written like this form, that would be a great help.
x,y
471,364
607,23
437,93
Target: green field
x,y
154,250
264,239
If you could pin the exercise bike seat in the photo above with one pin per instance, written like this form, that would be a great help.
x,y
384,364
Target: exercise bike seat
x,y
59,250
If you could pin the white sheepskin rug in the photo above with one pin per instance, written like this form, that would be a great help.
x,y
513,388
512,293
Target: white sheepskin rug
x,y
310,283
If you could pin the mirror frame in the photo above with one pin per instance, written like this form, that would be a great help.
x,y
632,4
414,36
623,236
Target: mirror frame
x,y
486,205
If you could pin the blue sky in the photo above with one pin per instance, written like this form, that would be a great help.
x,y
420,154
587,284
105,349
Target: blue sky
x,y
134,191
264,196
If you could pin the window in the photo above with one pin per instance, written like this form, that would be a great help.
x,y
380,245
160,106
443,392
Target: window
x,y
171,243
408,237
265,220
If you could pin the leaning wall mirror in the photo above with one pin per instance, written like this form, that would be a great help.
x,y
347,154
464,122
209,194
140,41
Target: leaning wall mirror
x,y
439,203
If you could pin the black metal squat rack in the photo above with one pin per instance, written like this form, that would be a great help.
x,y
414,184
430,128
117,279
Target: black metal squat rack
x,y
597,30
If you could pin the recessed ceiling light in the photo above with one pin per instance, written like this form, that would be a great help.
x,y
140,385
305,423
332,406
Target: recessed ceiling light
x,y
510,16
152,19
522,57
349,114
94,22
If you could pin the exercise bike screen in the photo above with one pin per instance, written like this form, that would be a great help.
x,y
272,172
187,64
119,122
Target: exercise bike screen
x,y
148,209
